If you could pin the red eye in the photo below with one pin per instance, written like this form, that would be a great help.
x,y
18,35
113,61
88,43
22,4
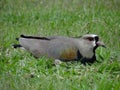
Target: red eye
x,y
90,38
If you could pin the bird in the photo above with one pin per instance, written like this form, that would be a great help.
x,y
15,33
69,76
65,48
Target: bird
x,y
62,48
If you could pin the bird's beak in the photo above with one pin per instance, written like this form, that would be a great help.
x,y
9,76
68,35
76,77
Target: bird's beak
x,y
100,43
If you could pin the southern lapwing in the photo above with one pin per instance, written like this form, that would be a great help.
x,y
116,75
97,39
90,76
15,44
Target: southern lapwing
x,y
62,48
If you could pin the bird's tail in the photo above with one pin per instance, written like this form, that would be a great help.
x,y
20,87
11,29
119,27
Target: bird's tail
x,y
16,45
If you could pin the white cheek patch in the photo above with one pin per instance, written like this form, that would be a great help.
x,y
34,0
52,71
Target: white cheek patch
x,y
94,43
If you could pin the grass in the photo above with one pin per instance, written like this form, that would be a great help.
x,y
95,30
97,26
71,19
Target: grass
x,y
20,71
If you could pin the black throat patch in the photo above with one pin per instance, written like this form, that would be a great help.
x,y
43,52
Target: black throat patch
x,y
84,60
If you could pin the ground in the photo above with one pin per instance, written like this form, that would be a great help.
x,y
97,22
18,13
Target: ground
x,y
20,71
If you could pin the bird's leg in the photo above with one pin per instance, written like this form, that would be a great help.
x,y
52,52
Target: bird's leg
x,y
57,62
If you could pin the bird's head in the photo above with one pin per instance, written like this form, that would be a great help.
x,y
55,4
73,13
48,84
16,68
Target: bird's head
x,y
93,40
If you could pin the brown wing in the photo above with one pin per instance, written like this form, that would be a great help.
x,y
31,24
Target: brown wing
x,y
69,54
